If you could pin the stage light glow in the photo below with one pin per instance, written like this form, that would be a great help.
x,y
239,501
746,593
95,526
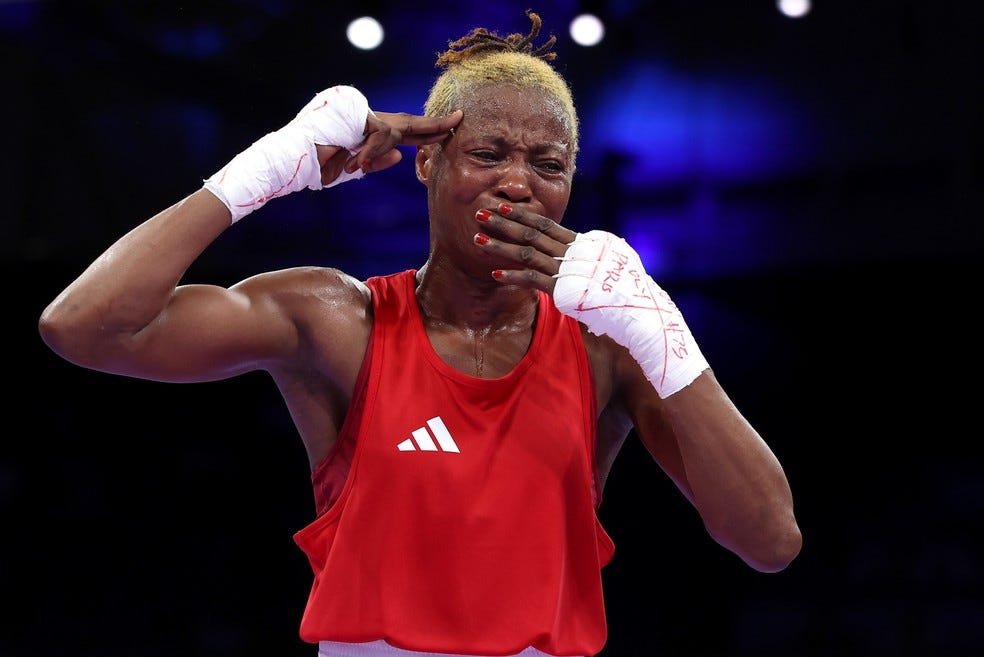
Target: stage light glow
x,y
587,30
674,127
365,33
794,8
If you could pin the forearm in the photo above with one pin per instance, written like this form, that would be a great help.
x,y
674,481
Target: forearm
x,y
683,415
130,284
736,481
125,312
99,319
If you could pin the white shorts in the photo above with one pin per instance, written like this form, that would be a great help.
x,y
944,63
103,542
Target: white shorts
x,y
382,649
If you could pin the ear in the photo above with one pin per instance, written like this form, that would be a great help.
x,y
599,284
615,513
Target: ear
x,y
423,162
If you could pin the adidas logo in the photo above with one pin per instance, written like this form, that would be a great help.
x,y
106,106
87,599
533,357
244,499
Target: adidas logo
x,y
424,442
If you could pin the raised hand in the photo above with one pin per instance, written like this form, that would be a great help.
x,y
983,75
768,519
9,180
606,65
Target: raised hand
x,y
533,241
384,132
335,137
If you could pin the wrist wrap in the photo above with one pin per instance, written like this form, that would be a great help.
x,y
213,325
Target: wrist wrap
x,y
602,283
286,161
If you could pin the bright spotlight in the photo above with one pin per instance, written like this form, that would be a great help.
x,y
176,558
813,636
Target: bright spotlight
x,y
794,8
587,30
365,33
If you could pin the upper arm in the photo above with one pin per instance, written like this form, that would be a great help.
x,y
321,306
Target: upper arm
x,y
208,332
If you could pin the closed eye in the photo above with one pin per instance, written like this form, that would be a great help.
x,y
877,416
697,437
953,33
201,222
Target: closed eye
x,y
490,156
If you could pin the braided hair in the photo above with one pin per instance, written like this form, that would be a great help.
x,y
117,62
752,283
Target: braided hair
x,y
483,57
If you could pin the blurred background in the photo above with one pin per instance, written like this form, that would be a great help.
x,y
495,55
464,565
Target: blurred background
x,y
806,180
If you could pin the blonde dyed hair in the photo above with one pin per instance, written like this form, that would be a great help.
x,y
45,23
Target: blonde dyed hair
x,y
483,57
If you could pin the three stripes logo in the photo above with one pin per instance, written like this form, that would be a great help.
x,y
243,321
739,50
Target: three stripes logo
x,y
423,441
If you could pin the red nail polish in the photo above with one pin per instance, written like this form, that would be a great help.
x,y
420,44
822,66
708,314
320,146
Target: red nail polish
x,y
497,274
481,238
505,208
483,215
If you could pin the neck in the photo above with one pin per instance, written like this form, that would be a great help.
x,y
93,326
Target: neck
x,y
454,298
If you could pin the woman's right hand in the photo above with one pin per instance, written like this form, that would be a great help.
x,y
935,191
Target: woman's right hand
x,y
384,132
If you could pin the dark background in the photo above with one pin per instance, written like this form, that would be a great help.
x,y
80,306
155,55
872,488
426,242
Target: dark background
x,y
810,192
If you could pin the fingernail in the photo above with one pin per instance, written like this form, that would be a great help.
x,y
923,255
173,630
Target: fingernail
x,y
483,215
481,238
505,208
497,274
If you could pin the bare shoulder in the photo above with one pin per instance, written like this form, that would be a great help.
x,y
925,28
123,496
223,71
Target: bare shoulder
x,y
330,311
330,315
310,282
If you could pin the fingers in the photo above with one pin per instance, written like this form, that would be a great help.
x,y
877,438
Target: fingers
x,y
332,160
385,131
533,268
523,227
413,130
528,278
533,242
326,153
384,161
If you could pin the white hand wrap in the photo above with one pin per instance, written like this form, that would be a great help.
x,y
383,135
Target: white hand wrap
x,y
602,283
286,161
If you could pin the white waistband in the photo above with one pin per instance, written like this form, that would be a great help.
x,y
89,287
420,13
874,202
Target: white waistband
x,y
382,649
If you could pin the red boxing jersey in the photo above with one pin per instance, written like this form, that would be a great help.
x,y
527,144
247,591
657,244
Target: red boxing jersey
x,y
467,520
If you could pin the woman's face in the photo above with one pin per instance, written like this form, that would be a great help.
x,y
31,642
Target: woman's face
x,y
511,146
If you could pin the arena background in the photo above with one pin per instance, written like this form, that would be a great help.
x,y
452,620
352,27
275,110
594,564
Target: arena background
x,y
809,190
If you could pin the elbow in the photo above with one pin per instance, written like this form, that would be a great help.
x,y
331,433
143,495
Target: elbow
x,y
775,548
768,547
781,551
54,330
86,335
66,334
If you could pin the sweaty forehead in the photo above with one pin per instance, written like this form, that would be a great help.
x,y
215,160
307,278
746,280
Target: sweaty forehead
x,y
500,109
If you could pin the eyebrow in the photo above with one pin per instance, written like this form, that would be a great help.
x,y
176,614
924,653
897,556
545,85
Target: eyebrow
x,y
544,147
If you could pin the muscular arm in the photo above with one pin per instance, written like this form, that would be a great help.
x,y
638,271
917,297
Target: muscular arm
x,y
127,314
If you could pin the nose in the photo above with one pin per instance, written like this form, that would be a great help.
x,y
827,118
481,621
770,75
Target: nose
x,y
513,184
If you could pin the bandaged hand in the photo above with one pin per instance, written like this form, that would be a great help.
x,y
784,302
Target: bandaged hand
x,y
286,161
602,283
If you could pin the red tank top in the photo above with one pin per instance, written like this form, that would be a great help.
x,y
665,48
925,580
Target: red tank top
x,y
467,520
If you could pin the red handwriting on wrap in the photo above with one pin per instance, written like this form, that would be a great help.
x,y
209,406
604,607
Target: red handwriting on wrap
x,y
614,274
676,338
642,288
